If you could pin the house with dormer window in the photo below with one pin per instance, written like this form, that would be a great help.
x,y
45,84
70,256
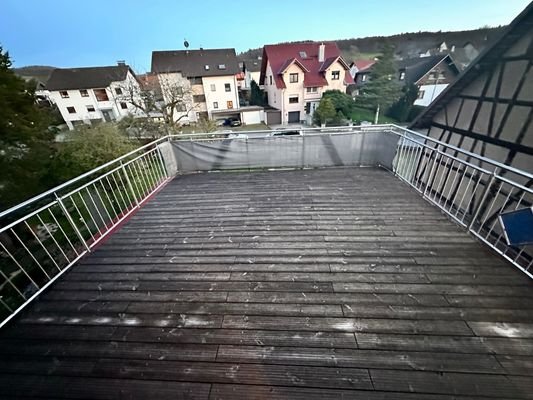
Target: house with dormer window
x,y
91,95
210,74
295,75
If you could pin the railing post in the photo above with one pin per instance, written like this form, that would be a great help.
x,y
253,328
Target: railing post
x,y
71,221
129,184
490,182
163,165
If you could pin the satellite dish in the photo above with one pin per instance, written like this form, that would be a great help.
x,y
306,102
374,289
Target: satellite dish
x,y
185,43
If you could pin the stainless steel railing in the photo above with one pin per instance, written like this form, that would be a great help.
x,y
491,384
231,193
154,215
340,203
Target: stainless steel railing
x,y
471,189
42,237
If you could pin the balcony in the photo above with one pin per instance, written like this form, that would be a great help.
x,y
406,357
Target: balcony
x,y
357,263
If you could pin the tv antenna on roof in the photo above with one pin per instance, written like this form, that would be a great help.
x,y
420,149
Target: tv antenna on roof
x,y
185,43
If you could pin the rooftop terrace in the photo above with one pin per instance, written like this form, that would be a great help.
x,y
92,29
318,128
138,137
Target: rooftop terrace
x,y
331,283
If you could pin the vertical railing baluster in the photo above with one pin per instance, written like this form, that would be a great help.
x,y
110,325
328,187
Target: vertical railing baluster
x,y
128,181
72,223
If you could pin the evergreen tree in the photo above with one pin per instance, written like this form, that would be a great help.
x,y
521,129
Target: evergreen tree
x,y
257,96
325,112
402,109
382,89
26,144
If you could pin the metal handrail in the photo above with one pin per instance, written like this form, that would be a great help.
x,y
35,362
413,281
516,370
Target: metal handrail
x,y
74,221
78,178
466,152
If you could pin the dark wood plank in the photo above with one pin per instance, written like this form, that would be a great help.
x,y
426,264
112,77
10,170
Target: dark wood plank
x,y
422,361
254,392
455,344
347,324
496,386
364,299
503,329
16,386
451,313
252,374
236,308
115,349
236,337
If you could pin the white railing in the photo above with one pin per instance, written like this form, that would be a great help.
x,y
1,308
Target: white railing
x,y
44,236
471,189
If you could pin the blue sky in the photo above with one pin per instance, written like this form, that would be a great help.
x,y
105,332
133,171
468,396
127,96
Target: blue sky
x,y
98,32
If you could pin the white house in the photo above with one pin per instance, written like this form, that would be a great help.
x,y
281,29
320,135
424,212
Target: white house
x,y
210,75
431,75
295,75
92,94
251,70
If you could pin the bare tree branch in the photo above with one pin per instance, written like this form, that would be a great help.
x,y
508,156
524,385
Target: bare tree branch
x,y
161,96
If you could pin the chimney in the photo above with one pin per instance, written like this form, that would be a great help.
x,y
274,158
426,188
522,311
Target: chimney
x,y
121,63
321,52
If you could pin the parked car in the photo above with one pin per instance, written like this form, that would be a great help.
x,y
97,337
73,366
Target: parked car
x,y
232,122
284,132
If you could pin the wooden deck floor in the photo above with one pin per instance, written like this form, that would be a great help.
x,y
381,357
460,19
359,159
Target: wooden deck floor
x,y
318,284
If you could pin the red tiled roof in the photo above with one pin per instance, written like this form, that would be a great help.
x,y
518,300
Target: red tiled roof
x,y
363,64
281,56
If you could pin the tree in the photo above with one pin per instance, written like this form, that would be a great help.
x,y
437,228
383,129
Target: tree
x,y
325,112
382,90
257,96
26,143
402,109
89,147
161,96
342,102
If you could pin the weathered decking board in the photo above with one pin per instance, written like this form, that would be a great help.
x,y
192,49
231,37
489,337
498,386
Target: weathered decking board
x,y
314,284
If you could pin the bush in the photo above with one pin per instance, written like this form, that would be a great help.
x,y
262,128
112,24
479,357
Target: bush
x,y
87,148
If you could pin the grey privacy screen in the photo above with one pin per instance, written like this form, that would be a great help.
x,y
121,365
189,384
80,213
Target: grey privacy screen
x,y
317,150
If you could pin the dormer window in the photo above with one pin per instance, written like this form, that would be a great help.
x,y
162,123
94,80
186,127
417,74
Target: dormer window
x,y
335,75
206,67
293,78
402,75
221,66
